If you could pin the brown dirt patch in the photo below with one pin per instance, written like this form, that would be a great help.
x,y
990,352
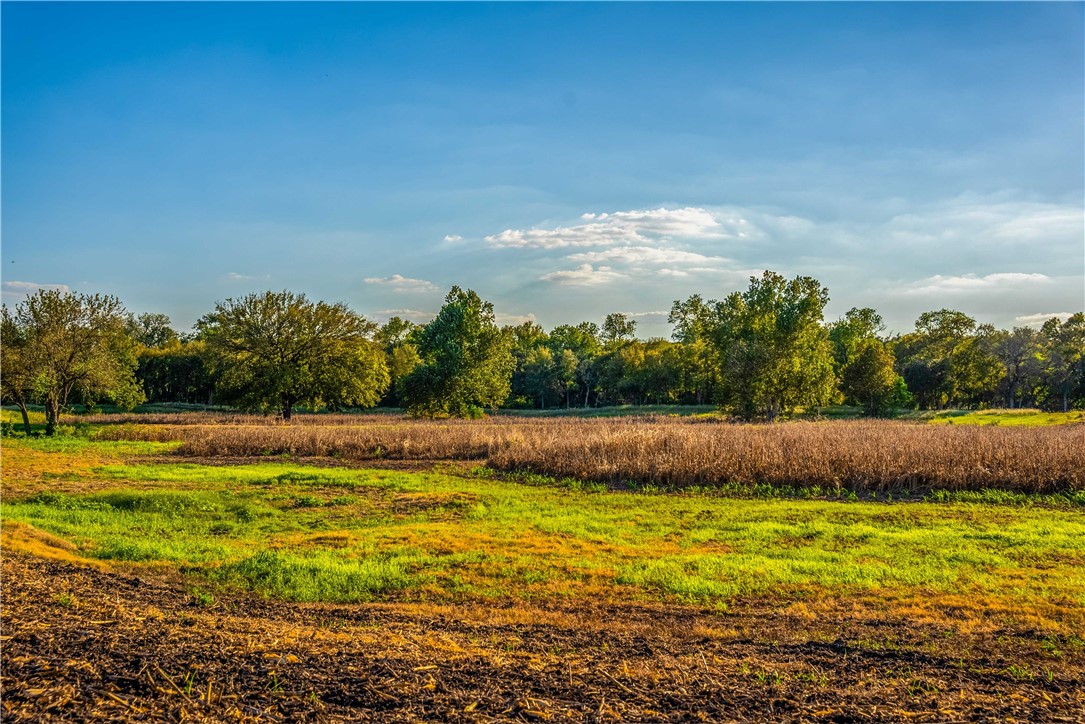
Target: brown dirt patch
x,y
80,643
25,468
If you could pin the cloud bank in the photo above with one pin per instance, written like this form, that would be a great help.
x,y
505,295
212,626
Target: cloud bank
x,y
14,292
400,283
634,228
584,275
953,285
411,315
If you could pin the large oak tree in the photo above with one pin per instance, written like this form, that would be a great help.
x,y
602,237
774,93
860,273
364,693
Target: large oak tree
x,y
277,350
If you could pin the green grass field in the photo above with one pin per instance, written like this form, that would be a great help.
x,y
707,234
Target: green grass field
x,y
1022,418
335,534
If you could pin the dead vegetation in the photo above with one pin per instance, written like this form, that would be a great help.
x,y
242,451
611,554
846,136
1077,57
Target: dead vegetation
x,y
82,644
855,455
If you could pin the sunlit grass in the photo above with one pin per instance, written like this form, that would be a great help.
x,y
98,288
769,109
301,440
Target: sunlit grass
x,y
1007,417
339,534
13,416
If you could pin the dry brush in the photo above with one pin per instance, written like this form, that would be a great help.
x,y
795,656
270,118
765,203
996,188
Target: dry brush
x,y
856,455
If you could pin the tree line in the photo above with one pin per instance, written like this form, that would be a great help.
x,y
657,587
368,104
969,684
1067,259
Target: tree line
x,y
762,353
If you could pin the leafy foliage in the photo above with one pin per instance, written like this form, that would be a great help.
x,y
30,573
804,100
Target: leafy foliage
x,y
276,350
618,327
465,360
401,355
949,360
870,379
152,330
774,351
1065,363
177,372
59,344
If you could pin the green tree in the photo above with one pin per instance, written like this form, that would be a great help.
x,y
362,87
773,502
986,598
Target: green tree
x,y
466,363
68,344
176,373
852,332
863,364
774,351
1064,366
1021,353
582,341
17,379
401,356
949,360
870,379
618,327
152,330
525,338
659,377
566,368
540,375
619,369
394,332
695,322
277,350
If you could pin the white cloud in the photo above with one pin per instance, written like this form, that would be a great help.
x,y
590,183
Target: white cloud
x,y
672,273
938,284
649,316
1037,320
411,315
645,255
400,283
16,292
238,277
653,226
452,238
989,221
503,319
584,275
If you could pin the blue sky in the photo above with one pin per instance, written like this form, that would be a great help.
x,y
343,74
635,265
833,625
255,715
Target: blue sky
x,y
563,160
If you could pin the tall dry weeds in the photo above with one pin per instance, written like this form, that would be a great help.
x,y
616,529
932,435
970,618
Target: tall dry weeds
x,y
857,455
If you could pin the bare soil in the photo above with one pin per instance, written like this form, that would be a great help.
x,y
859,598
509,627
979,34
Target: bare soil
x,y
86,644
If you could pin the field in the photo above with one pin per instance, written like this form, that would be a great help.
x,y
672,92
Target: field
x,y
216,566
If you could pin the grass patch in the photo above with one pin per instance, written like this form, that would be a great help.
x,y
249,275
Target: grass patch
x,y
1006,418
333,534
80,445
319,576
305,533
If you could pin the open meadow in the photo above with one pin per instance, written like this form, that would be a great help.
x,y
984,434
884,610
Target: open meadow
x,y
216,566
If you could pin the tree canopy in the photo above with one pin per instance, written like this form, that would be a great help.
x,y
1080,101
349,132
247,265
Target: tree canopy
x,y
765,352
277,350
465,360
774,351
59,344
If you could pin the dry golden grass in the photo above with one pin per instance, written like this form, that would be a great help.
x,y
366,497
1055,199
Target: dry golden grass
x,y
882,456
859,455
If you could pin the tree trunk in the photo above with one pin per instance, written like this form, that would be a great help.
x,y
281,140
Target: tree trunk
x,y
52,412
26,417
288,408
